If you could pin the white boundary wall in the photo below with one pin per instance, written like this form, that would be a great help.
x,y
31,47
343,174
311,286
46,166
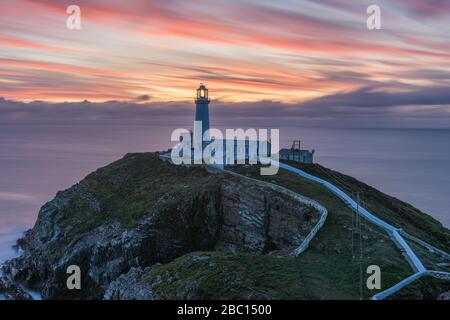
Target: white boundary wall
x,y
322,210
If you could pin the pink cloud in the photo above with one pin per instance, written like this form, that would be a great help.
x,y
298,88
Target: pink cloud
x,y
246,50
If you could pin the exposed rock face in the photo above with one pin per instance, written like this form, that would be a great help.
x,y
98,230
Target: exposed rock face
x,y
12,291
141,211
129,287
259,220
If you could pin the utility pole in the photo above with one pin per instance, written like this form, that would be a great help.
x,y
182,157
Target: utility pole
x,y
353,230
360,250
357,231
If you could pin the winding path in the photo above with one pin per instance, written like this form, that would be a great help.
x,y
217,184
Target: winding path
x,y
394,232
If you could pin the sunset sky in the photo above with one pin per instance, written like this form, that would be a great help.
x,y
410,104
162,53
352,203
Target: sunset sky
x,y
252,50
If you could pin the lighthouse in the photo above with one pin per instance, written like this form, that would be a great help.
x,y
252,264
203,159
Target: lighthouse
x,y
202,107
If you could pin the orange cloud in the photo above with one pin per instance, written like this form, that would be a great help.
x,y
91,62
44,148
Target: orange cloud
x,y
245,51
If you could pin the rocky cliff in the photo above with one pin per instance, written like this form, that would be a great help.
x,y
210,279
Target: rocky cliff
x,y
126,219
141,228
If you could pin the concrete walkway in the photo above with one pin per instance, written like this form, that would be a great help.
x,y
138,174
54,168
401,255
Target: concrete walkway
x,y
394,232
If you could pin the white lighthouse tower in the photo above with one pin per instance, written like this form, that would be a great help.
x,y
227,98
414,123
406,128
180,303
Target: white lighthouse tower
x,y
202,107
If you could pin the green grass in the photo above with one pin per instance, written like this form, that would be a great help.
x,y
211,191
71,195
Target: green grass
x,y
390,209
231,276
431,260
425,288
127,190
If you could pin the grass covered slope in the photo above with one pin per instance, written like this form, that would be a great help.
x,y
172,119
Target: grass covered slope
x,y
221,275
426,288
396,212
131,188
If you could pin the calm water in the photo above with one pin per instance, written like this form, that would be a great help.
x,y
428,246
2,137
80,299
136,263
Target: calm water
x,y
38,160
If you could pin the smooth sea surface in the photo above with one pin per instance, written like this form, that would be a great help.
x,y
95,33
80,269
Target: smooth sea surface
x,y
38,160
